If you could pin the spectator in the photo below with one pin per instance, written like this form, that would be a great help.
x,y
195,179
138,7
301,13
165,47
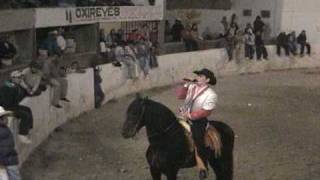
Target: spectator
x,y
302,40
167,31
61,42
126,58
260,48
234,26
11,94
7,51
282,42
153,35
98,93
31,79
111,38
248,26
188,38
133,36
239,45
120,36
176,30
258,25
154,51
8,154
50,44
225,26
52,75
230,44
143,52
207,34
292,43
249,40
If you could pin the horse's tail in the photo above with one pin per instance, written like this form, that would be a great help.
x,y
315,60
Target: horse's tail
x,y
224,164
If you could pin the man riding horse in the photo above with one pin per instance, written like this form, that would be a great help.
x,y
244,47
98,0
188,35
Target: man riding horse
x,y
200,101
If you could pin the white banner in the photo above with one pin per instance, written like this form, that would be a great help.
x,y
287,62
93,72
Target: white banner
x,y
49,17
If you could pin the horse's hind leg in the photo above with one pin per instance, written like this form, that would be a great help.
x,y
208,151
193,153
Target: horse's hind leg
x,y
223,167
155,173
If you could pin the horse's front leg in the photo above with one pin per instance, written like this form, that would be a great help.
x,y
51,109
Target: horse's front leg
x,y
172,174
155,173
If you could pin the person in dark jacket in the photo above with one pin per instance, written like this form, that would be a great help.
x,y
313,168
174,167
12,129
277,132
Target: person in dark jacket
x,y
98,93
260,48
11,94
282,42
8,154
302,40
292,43
258,25
176,31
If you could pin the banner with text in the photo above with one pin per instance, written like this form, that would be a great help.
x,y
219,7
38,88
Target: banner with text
x,y
49,17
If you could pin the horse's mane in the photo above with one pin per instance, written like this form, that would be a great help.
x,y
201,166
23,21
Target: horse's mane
x,y
157,108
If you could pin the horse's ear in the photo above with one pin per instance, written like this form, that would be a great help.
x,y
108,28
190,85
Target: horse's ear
x,y
138,96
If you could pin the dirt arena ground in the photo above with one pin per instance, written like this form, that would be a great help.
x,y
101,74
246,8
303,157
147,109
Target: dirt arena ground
x,y
275,116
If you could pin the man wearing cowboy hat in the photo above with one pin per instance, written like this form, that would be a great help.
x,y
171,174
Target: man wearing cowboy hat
x,y
200,101
8,154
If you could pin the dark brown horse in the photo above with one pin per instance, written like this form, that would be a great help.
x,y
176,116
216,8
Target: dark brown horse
x,y
168,150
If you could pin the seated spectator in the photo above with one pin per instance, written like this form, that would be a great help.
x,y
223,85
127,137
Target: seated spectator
x,y
302,41
31,79
249,41
7,51
8,154
282,42
11,94
292,43
52,75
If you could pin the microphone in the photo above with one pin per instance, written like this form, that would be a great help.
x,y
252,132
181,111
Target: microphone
x,y
190,80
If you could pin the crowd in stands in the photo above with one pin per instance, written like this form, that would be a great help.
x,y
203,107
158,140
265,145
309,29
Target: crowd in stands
x,y
251,39
135,53
62,3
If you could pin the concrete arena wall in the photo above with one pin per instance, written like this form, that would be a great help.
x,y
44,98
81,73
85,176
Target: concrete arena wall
x,y
47,118
172,68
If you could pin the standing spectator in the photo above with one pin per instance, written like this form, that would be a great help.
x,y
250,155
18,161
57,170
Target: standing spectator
x,y
50,44
11,94
167,31
260,48
230,44
60,40
52,74
153,35
8,154
239,45
282,42
302,40
248,26
234,24
292,43
111,38
188,38
258,25
126,58
225,26
142,54
7,50
120,36
176,30
98,93
249,40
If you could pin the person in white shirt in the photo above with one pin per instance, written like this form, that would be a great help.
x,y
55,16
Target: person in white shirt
x,y
200,102
60,40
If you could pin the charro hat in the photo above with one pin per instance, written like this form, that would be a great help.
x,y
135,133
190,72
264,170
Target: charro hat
x,y
208,74
3,112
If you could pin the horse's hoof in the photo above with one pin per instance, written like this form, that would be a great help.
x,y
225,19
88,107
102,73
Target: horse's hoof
x,y
203,174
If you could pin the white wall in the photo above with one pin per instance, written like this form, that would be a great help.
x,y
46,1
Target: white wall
x,y
302,14
47,117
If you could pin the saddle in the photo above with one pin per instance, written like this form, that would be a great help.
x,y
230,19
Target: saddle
x,y
212,137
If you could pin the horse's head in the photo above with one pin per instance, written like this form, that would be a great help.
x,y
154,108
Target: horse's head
x,y
134,119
